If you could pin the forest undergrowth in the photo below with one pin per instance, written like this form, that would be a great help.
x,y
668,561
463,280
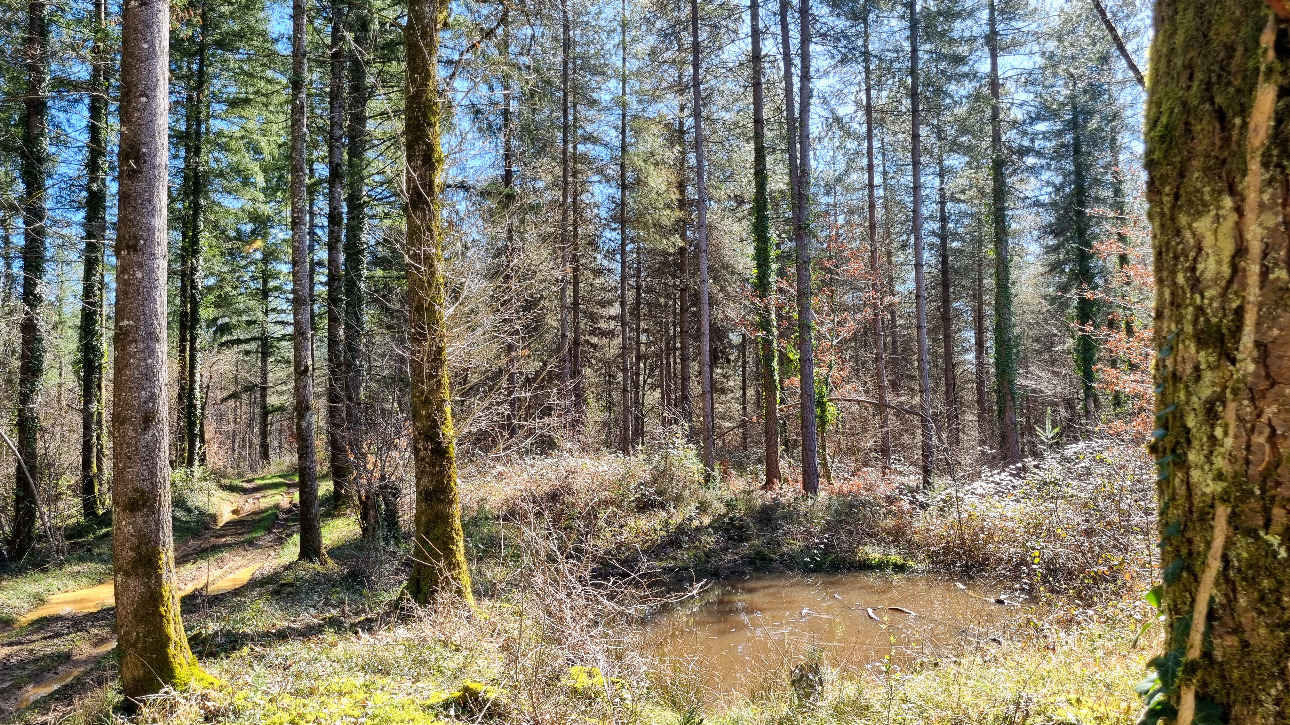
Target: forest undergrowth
x,y
570,554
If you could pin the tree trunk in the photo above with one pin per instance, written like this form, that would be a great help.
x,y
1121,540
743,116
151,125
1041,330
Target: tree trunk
x,y
355,273
1217,187
683,283
91,346
193,413
302,299
1085,344
920,284
512,252
639,368
947,304
889,241
566,367
1005,344
701,243
743,392
154,647
35,217
190,285
799,174
342,465
265,453
980,364
439,549
879,356
626,437
575,278
764,254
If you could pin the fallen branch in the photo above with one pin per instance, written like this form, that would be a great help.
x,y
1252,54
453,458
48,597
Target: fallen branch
x,y
31,488
1124,52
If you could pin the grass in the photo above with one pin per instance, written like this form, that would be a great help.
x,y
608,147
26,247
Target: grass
x,y
333,643
25,586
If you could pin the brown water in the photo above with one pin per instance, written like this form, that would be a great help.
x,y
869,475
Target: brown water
x,y
100,597
741,635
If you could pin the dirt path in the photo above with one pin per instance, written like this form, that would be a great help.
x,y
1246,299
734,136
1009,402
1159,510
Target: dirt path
x,y
66,636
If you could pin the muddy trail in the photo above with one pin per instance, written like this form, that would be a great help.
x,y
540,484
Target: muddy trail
x,y
70,633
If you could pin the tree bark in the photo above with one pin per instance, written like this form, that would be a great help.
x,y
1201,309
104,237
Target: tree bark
x,y
302,298
353,283
342,466
1219,207
566,32
947,304
579,417
627,415
1005,344
701,244
1085,344
683,280
799,174
980,364
920,283
879,353
265,452
439,548
92,349
764,254
35,218
154,647
190,252
512,251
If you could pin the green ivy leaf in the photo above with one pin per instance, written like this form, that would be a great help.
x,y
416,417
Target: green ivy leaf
x,y
1153,596
1173,570
1208,713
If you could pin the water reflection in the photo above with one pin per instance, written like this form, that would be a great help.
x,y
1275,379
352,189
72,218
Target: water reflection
x,y
740,635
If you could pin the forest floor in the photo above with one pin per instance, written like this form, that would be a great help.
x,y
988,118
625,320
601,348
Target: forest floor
x,y
570,554
57,618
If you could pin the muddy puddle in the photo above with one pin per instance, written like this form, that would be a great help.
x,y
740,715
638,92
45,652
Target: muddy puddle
x,y
92,599
739,636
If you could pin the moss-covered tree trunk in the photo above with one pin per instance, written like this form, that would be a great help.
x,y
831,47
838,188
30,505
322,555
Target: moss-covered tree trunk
x,y
154,648
438,549
191,250
302,298
342,466
90,336
353,283
35,217
764,253
1218,158
1005,342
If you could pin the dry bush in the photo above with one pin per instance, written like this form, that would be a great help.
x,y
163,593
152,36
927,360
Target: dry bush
x,y
1079,519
